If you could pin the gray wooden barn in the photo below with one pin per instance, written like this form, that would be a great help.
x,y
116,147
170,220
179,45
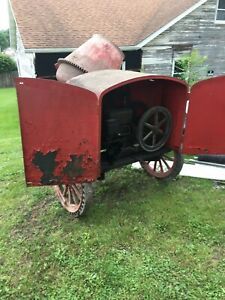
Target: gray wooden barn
x,y
152,34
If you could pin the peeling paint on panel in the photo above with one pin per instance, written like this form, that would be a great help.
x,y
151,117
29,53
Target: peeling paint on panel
x,y
73,168
47,164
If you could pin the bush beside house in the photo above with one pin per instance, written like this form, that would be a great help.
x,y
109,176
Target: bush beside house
x,y
191,67
8,70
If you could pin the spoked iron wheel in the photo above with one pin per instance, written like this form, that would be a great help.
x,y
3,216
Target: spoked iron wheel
x,y
167,167
154,128
75,198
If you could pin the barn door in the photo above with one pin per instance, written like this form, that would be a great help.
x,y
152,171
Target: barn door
x,y
205,124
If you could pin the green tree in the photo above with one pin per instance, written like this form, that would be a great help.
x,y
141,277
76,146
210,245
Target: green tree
x,y
7,64
4,39
191,68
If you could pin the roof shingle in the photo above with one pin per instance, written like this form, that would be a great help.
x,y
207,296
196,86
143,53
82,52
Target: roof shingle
x,y
68,23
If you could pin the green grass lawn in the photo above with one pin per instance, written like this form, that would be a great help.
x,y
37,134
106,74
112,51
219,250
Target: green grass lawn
x,y
140,240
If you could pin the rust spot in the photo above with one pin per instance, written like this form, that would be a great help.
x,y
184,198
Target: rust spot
x,y
47,164
73,168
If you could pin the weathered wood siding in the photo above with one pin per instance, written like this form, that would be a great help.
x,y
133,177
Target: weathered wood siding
x,y
197,30
157,59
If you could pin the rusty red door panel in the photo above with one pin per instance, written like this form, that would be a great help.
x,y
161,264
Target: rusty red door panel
x,y
175,100
60,143
205,126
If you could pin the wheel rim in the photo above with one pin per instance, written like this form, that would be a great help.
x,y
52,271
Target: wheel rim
x,y
71,197
154,128
162,167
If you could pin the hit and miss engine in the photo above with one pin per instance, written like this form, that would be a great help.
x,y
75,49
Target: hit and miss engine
x,y
131,127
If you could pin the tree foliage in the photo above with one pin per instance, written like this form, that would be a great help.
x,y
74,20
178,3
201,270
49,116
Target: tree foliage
x,y
7,64
191,68
4,39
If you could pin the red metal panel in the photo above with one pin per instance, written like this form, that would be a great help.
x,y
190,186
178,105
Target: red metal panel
x,y
175,100
205,128
60,127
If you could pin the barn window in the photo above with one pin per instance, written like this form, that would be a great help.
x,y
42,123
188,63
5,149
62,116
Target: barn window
x,y
178,69
220,12
180,59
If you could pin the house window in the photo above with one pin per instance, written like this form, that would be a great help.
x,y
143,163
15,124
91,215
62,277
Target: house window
x,y
177,69
220,12
180,58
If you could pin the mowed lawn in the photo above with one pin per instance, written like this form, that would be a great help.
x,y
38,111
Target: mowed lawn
x,y
140,240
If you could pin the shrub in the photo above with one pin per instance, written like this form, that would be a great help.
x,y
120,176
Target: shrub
x,y
4,39
191,67
7,64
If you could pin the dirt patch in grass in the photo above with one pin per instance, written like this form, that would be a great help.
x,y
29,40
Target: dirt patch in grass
x,y
218,255
31,222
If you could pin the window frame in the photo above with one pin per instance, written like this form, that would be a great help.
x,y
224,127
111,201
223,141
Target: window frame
x,y
219,9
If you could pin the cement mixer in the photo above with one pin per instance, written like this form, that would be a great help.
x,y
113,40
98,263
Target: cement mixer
x,y
96,118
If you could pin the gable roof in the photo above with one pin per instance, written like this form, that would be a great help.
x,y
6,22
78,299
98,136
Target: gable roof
x,y
68,23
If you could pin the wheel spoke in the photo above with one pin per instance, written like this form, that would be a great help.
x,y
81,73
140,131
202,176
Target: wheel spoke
x,y
154,140
73,197
147,136
148,125
65,190
155,165
68,199
161,167
165,162
77,193
162,122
